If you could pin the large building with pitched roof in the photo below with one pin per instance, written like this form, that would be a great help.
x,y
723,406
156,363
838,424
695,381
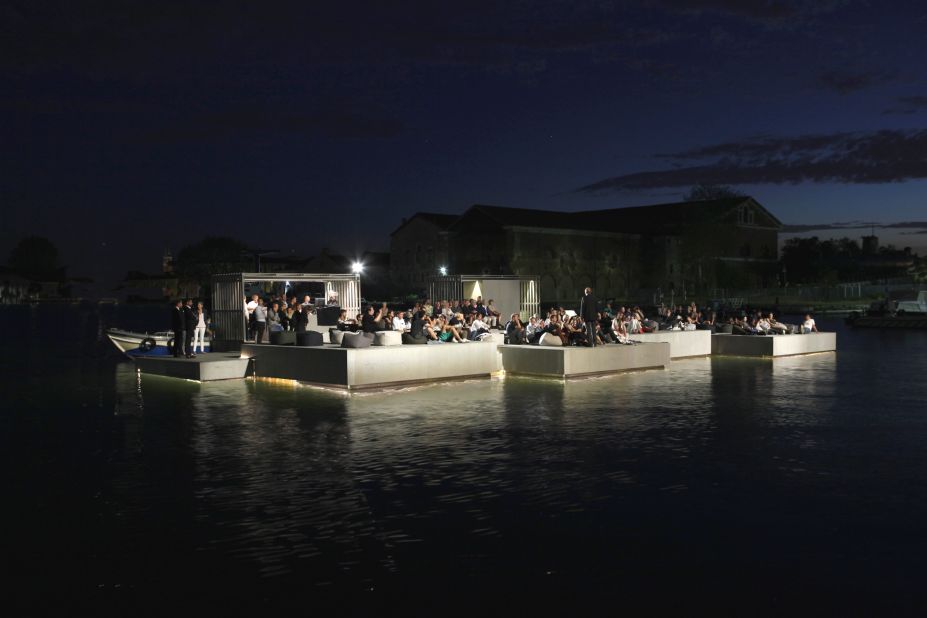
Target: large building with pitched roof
x,y
418,249
621,252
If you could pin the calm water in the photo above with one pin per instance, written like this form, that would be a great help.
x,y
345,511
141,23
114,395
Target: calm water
x,y
751,486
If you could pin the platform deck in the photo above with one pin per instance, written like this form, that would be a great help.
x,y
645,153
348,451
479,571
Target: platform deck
x,y
570,362
203,368
373,367
772,345
683,343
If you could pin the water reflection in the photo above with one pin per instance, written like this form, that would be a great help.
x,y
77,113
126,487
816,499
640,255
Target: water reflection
x,y
363,487
695,476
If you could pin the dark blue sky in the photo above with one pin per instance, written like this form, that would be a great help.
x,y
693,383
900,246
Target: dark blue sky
x,y
127,127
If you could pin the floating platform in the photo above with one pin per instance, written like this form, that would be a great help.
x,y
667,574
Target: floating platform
x,y
571,362
203,368
683,343
373,367
773,345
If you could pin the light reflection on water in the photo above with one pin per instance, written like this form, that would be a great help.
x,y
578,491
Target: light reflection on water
x,y
748,475
303,475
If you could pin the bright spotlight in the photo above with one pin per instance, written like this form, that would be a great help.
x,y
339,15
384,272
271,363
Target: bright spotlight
x,y
443,271
357,267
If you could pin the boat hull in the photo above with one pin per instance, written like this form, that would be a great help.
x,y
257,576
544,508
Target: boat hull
x,y
128,342
908,321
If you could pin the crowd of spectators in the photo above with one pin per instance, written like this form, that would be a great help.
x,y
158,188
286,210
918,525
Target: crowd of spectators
x,y
467,320
458,321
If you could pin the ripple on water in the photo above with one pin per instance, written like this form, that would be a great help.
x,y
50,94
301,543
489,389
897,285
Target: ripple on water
x,y
510,478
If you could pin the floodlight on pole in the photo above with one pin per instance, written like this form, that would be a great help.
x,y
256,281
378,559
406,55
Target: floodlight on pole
x,y
443,271
357,268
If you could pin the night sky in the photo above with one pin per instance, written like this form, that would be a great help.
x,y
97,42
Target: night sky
x,y
130,126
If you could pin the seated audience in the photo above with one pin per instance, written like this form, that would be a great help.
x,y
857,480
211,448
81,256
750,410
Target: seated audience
x,y
492,314
534,329
478,327
370,323
809,325
515,331
400,323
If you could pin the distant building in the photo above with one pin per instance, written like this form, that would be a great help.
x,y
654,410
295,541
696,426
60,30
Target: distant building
x,y
14,288
418,249
284,264
167,262
621,252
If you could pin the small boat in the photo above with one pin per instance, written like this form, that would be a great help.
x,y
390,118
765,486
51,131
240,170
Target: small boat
x,y
893,314
134,344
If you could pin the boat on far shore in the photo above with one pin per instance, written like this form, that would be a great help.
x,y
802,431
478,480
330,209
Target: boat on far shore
x,y
132,343
893,314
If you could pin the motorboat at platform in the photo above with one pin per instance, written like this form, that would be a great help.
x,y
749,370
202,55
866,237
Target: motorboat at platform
x,y
132,343
893,314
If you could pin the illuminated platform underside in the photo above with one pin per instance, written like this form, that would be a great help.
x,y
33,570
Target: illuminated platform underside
x,y
772,345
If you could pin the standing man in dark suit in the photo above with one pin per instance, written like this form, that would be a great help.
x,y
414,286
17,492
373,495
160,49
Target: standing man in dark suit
x,y
300,319
588,310
189,324
177,327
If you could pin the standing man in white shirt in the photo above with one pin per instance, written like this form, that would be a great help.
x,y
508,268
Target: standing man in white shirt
x,y
260,321
249,310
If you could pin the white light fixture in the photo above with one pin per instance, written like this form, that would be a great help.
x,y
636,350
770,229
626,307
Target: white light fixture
x,y
357,267
443,271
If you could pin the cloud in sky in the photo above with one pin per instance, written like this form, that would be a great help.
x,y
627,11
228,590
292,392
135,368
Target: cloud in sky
x,y
772,14
856,225
850,158
341,122
848,82
908,105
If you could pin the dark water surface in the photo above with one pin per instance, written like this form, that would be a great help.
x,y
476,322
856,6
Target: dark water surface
x,y
752,486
